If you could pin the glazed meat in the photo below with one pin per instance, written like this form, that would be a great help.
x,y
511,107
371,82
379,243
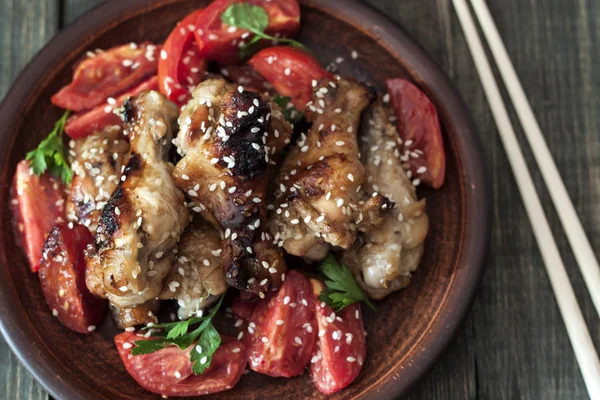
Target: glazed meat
x,y
96,163
145,216
197,277
382,259
320,197
229,139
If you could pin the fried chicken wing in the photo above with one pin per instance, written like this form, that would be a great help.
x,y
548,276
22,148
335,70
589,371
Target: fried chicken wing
x,y
96,163
320,199
382,259
229,140
197,277
145,216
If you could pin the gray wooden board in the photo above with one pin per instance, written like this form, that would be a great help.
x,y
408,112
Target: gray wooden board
x,y
513,345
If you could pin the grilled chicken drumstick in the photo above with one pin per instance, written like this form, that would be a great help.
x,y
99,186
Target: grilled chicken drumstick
x,y
320,197
197,277
383,259
97,162
229,138
145,216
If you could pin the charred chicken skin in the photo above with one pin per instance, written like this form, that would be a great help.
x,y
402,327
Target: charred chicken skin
x,y
145,216
321,200
230,139
382,259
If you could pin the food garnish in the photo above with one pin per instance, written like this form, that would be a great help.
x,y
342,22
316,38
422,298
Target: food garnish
x,y
253,19
50,154
182,335
290,112
342,289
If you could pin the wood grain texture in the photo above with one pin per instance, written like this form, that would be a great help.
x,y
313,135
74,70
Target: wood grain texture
x,y
513,345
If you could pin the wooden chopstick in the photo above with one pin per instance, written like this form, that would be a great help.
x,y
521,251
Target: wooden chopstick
x,y
582,249
579,335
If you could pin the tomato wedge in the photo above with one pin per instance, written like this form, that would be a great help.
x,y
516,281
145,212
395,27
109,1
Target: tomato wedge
x,y
341,347
291,71
85,123
281,333
107,74
37,203
168,372
221,43
419,128
180,66
62,278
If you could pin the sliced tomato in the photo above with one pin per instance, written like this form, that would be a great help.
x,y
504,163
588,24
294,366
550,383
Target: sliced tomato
x,y
85,123
245,75
107,74
180,66
281,333
419,128
221,43
37,204
341,348
168,372
291,71
62,278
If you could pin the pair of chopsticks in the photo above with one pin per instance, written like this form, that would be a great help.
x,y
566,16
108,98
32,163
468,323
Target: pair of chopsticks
x,y
579,335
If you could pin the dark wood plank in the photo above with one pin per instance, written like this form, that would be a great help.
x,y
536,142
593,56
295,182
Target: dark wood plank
x,y
24,28
72,9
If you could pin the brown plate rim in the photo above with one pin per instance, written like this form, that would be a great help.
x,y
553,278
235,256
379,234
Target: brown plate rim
x,y
17,330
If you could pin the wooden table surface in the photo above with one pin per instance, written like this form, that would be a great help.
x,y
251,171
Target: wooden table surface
x,y
513,345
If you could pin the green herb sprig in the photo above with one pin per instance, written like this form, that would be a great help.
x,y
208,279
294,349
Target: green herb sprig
x,y
342,289
50,154
290,112
183,334
255,20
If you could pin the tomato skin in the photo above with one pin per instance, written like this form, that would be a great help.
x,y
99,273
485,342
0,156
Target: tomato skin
x,y
85,123
107,74
288,345
217,43
418,121
156,371
37,203
242,309
180,66
273,62
332,370
62,279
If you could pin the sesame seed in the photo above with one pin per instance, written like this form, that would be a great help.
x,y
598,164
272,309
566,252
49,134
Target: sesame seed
x,y
354,54
236,350
340,143
117,211
295,221
163,54
351,177
203,360
351,359
298,340
264,339
127,345
287,71
177,374
286,300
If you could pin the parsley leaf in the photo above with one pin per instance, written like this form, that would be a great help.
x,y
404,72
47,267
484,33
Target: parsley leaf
x,y
342,289
253,19
50,154
290,112
205,335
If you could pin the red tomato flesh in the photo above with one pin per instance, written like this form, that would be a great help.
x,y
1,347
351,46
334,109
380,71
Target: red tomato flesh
x,y
221,43
291,71
180,66
419,128
281,333
62,278
341,348
168,372
85,123
37,203
107,74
